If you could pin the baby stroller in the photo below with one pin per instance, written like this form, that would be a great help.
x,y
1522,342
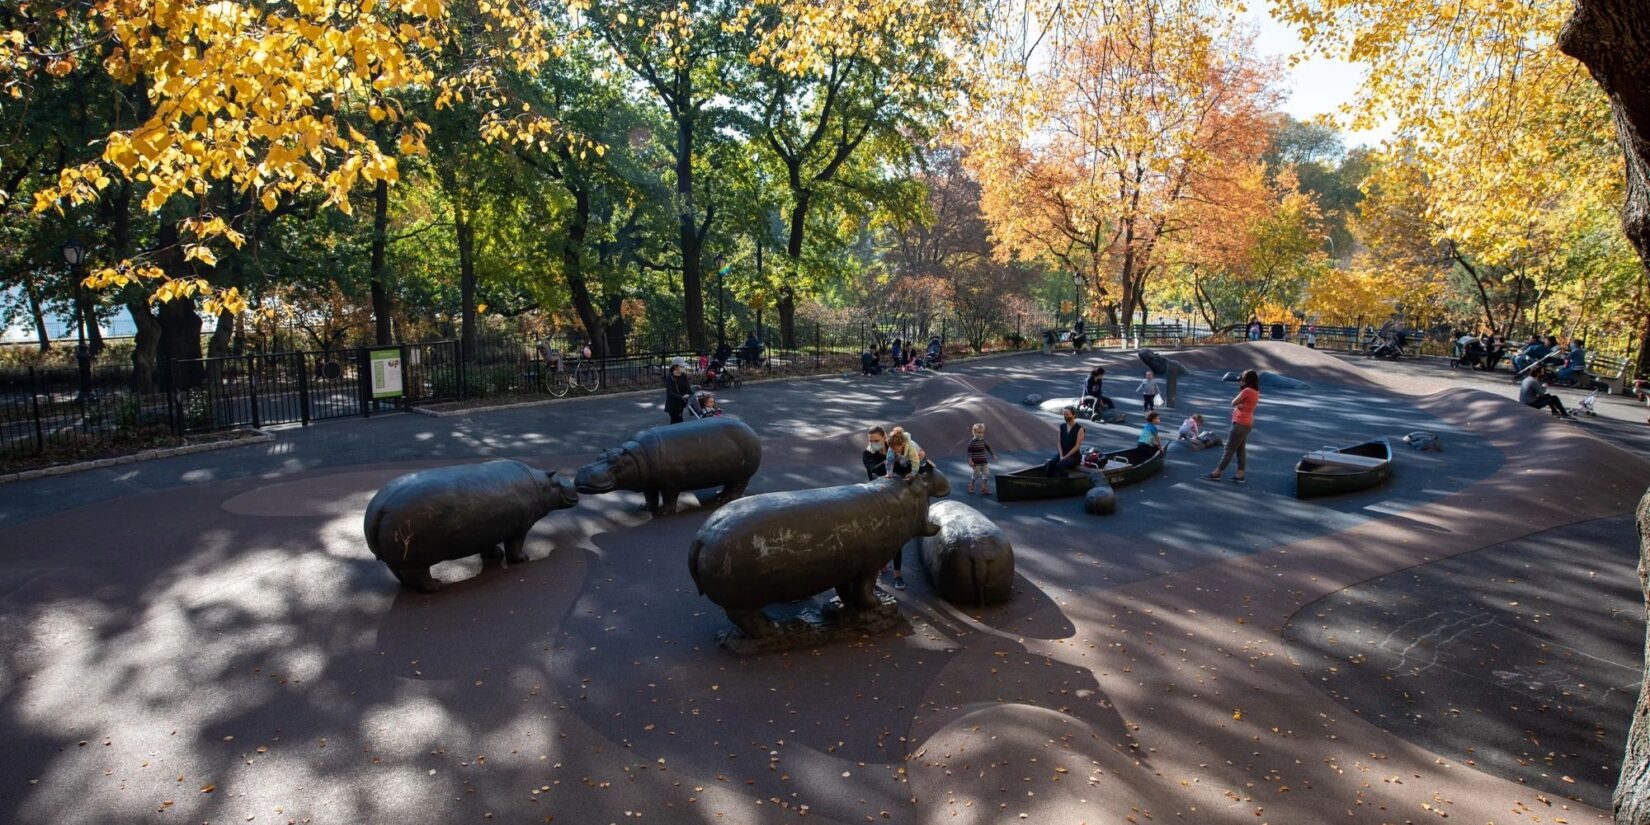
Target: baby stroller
x,y
1588,405
935,358
697,407
720,376
1388,343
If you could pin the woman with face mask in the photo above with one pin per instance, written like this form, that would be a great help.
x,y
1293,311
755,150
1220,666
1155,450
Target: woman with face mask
x,y
875,456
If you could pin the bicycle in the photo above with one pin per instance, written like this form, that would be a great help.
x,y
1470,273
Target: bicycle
x,y
559,378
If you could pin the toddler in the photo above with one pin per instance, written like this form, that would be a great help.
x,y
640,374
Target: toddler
x,y
1148,391
980,456
1148,433
1191,427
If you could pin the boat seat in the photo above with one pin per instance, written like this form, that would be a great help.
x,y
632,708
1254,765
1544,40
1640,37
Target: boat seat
x,y
1359,462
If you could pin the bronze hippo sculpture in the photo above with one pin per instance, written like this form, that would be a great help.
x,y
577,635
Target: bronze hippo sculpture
x,y
782,547
969,560
663,461
431,516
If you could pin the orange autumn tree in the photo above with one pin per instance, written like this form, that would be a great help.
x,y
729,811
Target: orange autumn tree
x,y
1092,150
1252,240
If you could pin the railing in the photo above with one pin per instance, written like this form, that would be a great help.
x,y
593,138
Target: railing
x,y
42,411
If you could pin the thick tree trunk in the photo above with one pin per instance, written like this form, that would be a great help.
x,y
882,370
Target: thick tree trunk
x,y
572,255
466,238
1612,38
382,333
693,296
94,333
615,324
793,250
218,345
145,346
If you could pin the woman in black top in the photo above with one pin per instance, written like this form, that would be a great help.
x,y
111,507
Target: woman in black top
x,y
1071,445
677,390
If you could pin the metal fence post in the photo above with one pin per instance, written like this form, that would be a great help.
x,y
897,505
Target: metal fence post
x,y
302,367
363,378
817,353
39,427
463,371
252,389
173,401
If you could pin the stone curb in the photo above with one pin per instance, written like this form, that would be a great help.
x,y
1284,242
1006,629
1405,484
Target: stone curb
x,y
144,455
633,393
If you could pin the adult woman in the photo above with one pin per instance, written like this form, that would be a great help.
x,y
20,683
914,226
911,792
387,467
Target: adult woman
x,y
1094,388
1071,444
1243,422
905,458
677,389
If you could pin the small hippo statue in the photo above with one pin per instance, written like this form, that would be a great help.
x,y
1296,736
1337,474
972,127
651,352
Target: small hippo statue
x,y
969,561
663,461
431,516
782,547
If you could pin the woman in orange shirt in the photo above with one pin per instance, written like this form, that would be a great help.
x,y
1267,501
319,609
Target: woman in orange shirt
x,y
1243,421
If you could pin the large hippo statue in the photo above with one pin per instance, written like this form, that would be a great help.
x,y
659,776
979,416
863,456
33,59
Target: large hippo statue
x,y
969,561
447,513
781,547
662,462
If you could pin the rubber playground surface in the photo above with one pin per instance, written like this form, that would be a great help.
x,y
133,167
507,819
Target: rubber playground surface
x,y
207,638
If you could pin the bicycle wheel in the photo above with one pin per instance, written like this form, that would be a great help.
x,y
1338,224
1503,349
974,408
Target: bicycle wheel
x,y
586,376
557,382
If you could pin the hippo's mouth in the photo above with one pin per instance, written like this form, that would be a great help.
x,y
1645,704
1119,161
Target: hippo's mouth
x,y
594,483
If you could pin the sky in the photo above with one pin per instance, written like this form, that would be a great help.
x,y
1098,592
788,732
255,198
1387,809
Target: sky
x,y
1317,86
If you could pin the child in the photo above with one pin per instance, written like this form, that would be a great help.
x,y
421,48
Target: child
x,y
980,456
707,406
1191,427
1148,391
1148,433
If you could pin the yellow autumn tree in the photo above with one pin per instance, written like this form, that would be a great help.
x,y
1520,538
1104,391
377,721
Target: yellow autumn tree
x,y
271,99
1513,139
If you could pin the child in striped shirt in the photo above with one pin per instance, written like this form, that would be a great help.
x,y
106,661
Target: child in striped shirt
x,y
980,456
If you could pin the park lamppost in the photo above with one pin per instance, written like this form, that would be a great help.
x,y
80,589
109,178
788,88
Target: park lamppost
x,y
1078,281
75,255
721,300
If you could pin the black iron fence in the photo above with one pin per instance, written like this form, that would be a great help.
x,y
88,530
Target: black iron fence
x,y
43,411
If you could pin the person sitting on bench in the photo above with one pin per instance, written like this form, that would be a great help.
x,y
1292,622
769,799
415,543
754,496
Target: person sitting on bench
x,y
1575,362
1532,393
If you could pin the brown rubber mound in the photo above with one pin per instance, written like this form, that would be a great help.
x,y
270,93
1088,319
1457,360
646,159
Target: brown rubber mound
x,y
230,651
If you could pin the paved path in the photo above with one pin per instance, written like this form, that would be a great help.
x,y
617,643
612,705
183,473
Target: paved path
x,y
205,638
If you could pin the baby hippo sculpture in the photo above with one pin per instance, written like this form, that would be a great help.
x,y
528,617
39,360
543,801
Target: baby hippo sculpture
x,y
970,560
782,547
432,516
662,462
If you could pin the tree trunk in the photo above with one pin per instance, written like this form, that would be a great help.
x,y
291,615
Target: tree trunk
x,y
218,345
572,255
793,250
94,333
380,240
145,346
693,297
615,324
1612,39
38,313
466,238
